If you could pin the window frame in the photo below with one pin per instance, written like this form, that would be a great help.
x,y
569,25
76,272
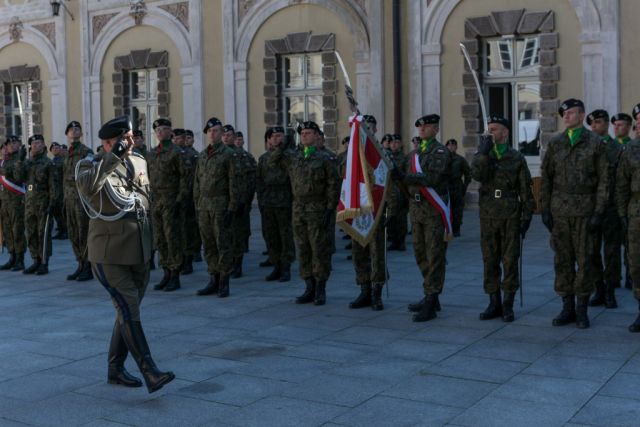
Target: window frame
x,y
147,104
26,115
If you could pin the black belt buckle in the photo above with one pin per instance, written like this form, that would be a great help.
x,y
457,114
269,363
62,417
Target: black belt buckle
x,y
417,197
497,194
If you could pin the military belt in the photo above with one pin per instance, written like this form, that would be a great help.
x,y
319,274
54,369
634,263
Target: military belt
x,y
498,193
136,215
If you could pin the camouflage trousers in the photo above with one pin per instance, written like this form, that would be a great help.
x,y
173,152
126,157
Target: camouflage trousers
x,y
398,226
217,240
457,210
633,238
190,233
500,243
611,237
241,232
59,216
313,244
368,261
77,226
278,234
166,232
12,217
430,252
126,285
573,246
35,220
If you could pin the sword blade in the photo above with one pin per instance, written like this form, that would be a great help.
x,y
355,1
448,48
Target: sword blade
x,y
44,239
478,88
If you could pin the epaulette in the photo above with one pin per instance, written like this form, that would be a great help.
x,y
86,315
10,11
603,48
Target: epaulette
x,y
137,155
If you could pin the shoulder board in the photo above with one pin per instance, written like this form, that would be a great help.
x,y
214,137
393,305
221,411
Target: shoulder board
x,y
137,155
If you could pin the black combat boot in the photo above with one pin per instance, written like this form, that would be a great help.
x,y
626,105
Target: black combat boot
x,y
266,263
494,309
133,335
237,268
568,313
635,326
598,297
33,267
610,295
320,294
376,297
285,272
349,246
74,275
174,281
187,265
582,319
19,264
309,292
364,298
428,309
275,274
9,264
152,261
43,269
212,286
165,279
507,307
85,273
117,374
223,292
417,306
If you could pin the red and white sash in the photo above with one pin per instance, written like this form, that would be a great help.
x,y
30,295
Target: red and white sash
x,y
10,186
434,199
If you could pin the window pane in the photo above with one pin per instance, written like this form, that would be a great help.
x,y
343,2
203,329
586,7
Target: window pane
x,y
527,52
295,110
528,98
136,120
314,109
294,72
153,84
499,58
17,125
138,84
17,95
314,71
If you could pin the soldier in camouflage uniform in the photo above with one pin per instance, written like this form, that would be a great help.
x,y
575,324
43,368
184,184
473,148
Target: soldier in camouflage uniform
x,y
38,174
12,203
77,219
249,175
460,180
186,210
506,205
140,146
574,198
322,148
398,204
168,183
216,193
58,208
429,231
274,198
314,181
192,232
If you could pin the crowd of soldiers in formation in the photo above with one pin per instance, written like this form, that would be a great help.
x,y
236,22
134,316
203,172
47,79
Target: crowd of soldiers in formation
x,y
590,198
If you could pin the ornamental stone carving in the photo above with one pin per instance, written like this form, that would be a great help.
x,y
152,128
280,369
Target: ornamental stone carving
x,y
49,31
15,29
180,11
98,22
138,10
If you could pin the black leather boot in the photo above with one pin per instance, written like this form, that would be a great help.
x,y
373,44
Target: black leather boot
x,y
376,297
237,268
568,313
494,309
320,294
285,272
582,319
85,273
266,263
165,279
275,274
33,267
43,269
364,298
174,281
309,292
212,286
417,306
9,264
137,344
117,374
507,307
19,264
74,275
187,265
598,296
610,296
152,261
428,309
223,292
635,326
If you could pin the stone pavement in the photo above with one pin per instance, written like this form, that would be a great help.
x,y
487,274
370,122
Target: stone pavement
x,y
257,358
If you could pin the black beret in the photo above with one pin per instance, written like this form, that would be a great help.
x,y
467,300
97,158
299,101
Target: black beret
x,y
570,103
499,120
430,119
64,146
228,128
35,137
308,125
271,130
368,118
239,135
213,121
387,137
161,122
597,114
179,132
115,128
54,144
397,137
346,140
621,116
72,124
451,141
138,132
188,132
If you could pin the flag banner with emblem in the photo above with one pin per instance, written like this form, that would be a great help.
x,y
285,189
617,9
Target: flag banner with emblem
x,y
364,184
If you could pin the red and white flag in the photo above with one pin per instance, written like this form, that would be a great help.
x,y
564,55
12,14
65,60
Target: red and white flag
x,y
364,184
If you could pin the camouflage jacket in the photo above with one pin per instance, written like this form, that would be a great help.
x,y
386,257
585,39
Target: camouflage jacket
x,y
190,159
216,182
167,174
613,150
342,163
39,175
460,174
58,163
627,194
247,171
505,185
435,162
77,152
574,178
396,198
272,184
315,183
11,169
142,151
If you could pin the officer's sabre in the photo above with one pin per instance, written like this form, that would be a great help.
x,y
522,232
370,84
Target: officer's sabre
x,y
475,79
45,240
